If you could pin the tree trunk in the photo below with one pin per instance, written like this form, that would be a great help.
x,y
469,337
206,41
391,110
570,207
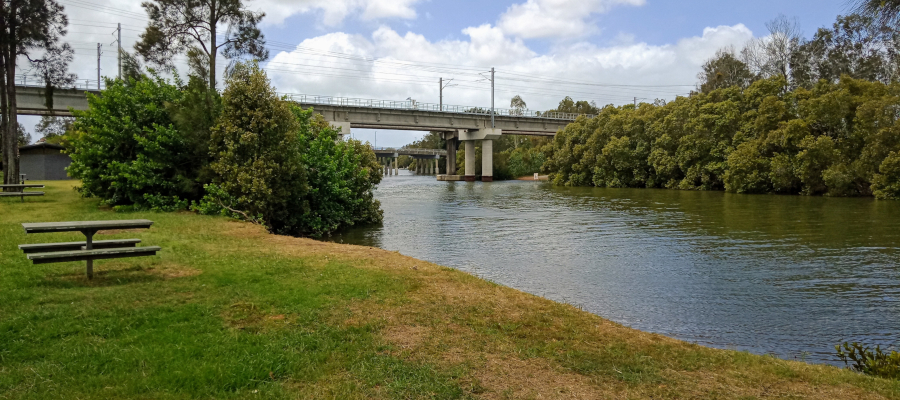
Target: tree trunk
x,y
212,45
3,109
11,146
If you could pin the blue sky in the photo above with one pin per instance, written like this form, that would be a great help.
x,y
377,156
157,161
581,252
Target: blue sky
x,y
398,49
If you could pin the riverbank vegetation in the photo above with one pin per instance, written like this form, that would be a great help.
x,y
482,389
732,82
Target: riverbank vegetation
x,y
784,115
228,310
147,143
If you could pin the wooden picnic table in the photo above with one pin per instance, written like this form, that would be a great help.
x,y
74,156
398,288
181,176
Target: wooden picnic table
x,y
21,193
89,229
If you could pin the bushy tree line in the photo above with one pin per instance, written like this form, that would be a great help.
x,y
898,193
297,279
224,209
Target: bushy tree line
x,y
839,139
147,143
783,115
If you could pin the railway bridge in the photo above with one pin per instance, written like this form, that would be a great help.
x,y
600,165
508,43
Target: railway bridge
x,y
456,123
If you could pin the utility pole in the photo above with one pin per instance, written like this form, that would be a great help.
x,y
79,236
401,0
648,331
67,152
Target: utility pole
x,y
98,66
444,86
635,103
492,98
119,41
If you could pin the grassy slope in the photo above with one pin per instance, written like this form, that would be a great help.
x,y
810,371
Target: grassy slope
x,y
228,311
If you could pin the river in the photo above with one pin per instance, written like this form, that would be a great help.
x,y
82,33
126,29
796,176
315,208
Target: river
x,y
789,276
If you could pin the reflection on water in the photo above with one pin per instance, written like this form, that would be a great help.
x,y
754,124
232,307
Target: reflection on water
x,y
785,275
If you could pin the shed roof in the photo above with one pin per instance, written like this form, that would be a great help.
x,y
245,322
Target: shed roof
x,y
42,145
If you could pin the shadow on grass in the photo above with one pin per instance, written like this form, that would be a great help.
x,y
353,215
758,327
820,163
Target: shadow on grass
x,y
102,278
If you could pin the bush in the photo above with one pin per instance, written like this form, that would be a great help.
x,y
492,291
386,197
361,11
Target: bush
x,y
886,185
126,150
279,165
868,361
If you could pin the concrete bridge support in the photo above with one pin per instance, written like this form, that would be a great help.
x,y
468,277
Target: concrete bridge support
x,y
396,166
470,160
487,137
452,142
487,160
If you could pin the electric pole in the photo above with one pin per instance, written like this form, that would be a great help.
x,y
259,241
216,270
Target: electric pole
x,y
119,41
98,66
492,98
444,86
635,103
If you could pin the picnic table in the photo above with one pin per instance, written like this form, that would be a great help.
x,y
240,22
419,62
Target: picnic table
x,y
89,250
21,192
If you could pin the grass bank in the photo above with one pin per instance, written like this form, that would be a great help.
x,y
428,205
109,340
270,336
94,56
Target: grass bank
x,y
229,311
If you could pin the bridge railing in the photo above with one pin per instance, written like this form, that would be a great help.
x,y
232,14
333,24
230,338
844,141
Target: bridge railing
x,y
31,80
408,151
419,106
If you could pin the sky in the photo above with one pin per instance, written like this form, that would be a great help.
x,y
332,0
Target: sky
x,y
606,51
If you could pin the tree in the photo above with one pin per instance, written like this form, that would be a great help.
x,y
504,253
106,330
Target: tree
x,y
853,46
518,104
53,126
26,26
887,12
284,167
192,26
127,151
724,70
771,55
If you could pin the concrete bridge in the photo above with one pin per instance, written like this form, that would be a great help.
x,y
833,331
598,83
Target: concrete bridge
x,y
456,123
426,159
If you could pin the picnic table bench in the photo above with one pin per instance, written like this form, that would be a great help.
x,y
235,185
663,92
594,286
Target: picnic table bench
x,y
89,250
21,192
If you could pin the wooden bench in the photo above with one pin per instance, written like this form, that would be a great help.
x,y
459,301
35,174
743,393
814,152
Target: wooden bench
x,y
89,250
21,193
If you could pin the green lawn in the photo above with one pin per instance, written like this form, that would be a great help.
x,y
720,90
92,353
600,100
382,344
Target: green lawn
x,y
228,311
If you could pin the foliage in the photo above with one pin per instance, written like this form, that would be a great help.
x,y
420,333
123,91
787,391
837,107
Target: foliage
x,y
27,27
887,12
282,167
53,129
126,149
853,46
724,70
190,27
838,139
870,361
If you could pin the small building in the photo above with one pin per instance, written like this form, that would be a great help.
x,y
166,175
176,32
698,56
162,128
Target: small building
x,y
43,162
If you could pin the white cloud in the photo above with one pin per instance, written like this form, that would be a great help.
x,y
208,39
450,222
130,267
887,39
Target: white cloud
x,y
633,64
333,12
556,18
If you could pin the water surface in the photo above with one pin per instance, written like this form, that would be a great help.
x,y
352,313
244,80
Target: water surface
x,y
785,275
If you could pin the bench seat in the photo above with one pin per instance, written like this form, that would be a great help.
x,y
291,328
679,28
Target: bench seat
x,y
21,186
19,194
98,254
73,246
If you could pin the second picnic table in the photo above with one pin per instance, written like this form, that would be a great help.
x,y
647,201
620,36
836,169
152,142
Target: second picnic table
x,y
85,251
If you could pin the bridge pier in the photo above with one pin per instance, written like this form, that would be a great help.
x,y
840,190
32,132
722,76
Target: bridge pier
x,y
470,160
452,142
396,166
487,160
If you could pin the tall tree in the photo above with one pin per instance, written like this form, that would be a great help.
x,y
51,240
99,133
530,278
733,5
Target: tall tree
x,y
771,55
854,46
724,70
885,11
518,104
26,27
193,27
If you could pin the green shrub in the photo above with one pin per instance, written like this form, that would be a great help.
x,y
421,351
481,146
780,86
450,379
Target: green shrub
x,y
125,148
886,185
868,361
279,165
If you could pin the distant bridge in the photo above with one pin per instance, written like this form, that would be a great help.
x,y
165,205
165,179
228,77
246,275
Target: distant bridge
x,y
456,123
